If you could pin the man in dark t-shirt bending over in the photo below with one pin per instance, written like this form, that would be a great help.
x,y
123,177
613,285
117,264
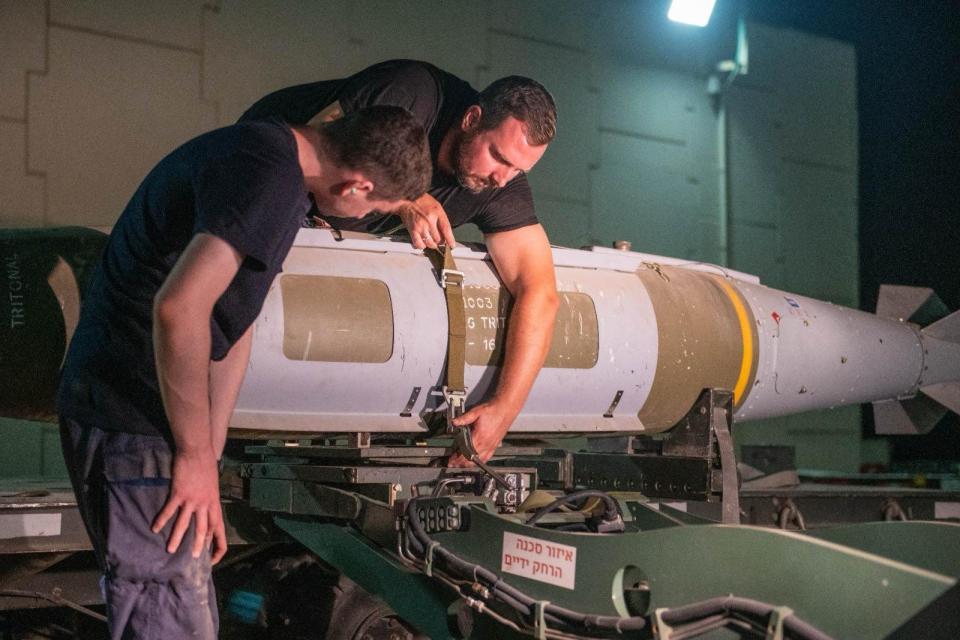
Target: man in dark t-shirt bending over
x,y
482,145
157,359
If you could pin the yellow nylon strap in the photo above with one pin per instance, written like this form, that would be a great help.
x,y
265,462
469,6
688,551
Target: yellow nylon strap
x,y
452,282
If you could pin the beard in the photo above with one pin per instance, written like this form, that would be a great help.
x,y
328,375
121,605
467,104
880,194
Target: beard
x,y
461,160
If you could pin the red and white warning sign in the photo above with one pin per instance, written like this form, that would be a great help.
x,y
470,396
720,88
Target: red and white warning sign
x,y
537,559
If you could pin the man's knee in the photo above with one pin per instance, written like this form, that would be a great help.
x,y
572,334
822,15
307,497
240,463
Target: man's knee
x,y
184,607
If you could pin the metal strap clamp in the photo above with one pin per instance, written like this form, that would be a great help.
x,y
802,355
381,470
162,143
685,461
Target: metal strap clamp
x,y
540,622
456,400
428,558
775,626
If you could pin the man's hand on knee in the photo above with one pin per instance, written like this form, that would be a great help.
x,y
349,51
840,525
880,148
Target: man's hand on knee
x,y
194,494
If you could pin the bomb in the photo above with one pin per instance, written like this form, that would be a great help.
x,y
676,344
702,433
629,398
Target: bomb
x,y
353,337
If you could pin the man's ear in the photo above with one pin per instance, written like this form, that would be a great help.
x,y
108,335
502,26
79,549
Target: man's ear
x,y
356,186
471,117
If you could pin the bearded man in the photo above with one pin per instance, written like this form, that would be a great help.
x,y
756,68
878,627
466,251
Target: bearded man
x,y
482,145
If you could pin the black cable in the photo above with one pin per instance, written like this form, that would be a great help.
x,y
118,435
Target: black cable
x,y
611,511
553,614
793,625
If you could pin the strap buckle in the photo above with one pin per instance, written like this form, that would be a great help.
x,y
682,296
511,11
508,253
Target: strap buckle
x,y
445,277
456,403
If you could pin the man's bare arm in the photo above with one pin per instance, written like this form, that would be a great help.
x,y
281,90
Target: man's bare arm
x,y
181,337
525,264
226,376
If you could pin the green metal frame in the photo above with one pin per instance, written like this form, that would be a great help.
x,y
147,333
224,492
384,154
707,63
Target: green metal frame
x,y
860,581
685,564
927,545
416,598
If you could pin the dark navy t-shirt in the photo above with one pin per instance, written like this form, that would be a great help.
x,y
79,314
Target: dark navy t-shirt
x,y
437,100
242,183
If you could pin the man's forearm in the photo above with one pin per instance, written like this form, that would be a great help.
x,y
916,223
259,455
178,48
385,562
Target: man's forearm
x,y
181,337
530,329
226,377
182,347
525,264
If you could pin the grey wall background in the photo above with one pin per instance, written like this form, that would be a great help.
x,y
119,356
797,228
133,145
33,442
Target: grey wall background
x,y
93,94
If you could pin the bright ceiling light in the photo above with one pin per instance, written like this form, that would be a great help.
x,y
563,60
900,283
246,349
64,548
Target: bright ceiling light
x,y
693,12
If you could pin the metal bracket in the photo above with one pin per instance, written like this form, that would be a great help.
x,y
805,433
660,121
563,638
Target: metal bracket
x,y
428,558
358,440
456,400
704,433
695,435
540,622
721,416
613,404
893,511
775,626
661,629
408,409
789,513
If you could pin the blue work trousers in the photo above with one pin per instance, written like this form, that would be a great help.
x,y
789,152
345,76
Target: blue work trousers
x,y
122,481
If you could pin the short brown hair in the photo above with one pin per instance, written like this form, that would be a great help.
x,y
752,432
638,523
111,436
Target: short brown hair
x,y
388,145
526,100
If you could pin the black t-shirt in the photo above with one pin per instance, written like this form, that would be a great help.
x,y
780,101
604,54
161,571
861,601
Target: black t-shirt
x,y
437,100
242,183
